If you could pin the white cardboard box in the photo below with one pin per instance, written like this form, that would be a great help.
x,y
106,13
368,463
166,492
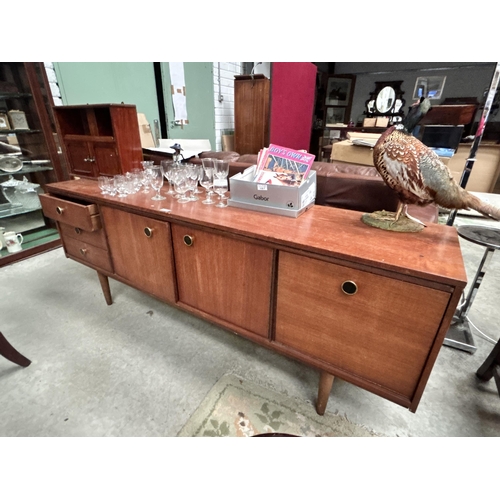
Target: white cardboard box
x,y
279,200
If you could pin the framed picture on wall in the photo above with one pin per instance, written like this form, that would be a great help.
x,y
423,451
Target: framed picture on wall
x,y
334,115
339,90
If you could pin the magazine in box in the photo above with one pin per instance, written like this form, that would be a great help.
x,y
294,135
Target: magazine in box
x,y
283,166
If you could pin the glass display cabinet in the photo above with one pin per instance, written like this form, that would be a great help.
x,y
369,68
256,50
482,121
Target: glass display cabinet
x,y
29,159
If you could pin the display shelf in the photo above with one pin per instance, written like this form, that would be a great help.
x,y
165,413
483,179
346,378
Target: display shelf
x,y
27,170
17,131
15,95
17,209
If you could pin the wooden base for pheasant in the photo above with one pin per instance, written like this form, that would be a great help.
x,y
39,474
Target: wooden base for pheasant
x,y
383,219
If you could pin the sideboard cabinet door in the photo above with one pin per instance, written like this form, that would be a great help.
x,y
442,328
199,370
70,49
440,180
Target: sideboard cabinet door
x,y
381,330
141,251
226,278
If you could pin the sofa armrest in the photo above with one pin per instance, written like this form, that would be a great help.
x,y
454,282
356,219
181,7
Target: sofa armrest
x,y
220,155
354,192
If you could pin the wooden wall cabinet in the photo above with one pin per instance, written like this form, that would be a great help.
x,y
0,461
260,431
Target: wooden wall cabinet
x,y
369,306
99,139
251,113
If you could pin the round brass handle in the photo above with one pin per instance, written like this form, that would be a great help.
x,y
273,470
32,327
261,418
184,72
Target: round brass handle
x,y
59,210
78,230
148,232
349,287
188,240
83,251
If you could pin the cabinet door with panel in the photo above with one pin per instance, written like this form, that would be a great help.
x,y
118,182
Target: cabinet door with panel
x,y
226,278
141,252
370,326
107,160
80,158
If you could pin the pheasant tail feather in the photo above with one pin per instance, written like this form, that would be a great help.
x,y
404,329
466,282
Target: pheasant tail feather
x,y
482,207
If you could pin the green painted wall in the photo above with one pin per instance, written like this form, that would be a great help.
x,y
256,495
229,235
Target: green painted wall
x,y
134,83
109,82
199,80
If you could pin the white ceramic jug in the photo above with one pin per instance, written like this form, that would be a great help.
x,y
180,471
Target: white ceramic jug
x,y
13,241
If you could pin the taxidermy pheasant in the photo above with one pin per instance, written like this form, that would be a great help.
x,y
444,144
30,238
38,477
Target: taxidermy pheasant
x,y
417,174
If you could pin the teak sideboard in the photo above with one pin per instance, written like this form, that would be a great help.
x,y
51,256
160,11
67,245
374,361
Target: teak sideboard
x,y
369,306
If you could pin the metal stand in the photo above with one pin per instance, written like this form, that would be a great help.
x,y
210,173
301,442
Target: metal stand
x,y
459,335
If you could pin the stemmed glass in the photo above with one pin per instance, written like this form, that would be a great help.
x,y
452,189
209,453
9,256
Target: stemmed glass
x,y
101,182
192,179
199,171
207,182
220,187
156,180
208,166
168,166
120,182
221,171
181,184
136,175
145,180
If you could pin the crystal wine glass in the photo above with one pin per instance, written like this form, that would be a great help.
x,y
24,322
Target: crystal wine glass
x,y
121,185
101,182
181,184
221,171
220,187
156,181
136,176
192,178
207,182
199,170
110,186
168,166
146,181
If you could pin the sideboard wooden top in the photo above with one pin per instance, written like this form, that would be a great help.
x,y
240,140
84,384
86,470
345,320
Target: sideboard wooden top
x,y
433,254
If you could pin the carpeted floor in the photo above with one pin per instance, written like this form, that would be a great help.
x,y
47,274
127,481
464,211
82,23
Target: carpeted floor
x,y
235,407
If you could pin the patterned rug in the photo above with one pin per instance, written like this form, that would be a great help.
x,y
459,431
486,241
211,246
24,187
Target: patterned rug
x,y
238,408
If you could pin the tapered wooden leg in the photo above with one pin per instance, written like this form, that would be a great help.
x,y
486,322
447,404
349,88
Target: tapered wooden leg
x,y
8,352
325,386
105,288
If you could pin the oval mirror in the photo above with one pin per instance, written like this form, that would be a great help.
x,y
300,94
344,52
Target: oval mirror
x,y
385,99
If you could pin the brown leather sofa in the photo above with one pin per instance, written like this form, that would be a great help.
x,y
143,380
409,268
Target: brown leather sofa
x,y
338,184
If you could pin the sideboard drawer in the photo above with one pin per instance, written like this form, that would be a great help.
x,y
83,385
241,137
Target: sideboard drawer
x,y
86,253
96,238
83,215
